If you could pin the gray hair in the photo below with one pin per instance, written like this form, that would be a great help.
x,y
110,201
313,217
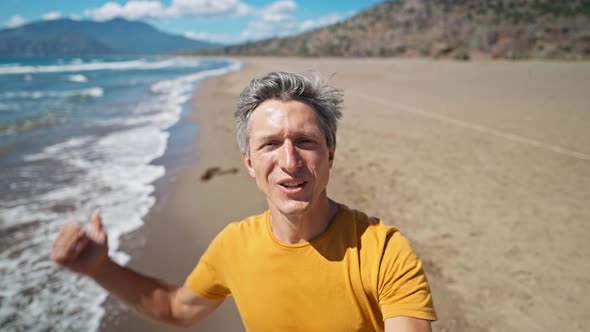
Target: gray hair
x,y
282,86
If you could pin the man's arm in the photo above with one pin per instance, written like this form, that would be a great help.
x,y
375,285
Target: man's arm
x,y
154,298
87,254
407,324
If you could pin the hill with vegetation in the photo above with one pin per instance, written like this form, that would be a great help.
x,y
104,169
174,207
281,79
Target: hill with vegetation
x,y
458,29
67,37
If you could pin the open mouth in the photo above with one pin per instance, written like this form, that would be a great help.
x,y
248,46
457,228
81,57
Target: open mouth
x,y
293,185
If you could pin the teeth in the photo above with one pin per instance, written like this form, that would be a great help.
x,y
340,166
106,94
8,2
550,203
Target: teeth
x,y
292,184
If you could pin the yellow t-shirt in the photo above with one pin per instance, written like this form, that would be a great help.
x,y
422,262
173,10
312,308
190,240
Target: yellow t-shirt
x,y
352,277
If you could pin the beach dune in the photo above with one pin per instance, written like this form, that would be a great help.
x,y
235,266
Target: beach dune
x,y
484,166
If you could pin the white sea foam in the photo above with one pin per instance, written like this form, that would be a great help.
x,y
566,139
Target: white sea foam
x,y
117,177
170,86
79,78
113,172
60,148
33,287
165,111
141,64
89,92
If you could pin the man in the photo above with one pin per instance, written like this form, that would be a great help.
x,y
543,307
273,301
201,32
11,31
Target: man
x,y
306,264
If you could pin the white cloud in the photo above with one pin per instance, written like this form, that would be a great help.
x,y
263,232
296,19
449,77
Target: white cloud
x,y
51,16
276,19
208,8
15,21
243,9
132,10
210,37
278,11
76,17
139,9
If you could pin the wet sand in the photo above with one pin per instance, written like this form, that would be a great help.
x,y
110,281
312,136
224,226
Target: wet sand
x,y
485,166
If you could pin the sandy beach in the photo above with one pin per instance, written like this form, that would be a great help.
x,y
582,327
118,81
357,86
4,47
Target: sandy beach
x,y
484,166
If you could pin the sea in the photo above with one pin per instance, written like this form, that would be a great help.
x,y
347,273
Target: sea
x,y
78,134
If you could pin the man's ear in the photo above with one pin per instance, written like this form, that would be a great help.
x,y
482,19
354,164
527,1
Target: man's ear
x,y
331,153
248,163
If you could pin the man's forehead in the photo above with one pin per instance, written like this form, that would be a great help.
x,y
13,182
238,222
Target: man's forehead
x,y
272,105
274,117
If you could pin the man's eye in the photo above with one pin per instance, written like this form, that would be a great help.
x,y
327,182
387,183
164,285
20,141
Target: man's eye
x,y
269,144
304,142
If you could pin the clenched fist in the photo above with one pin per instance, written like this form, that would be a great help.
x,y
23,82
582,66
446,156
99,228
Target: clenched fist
x,y
79,251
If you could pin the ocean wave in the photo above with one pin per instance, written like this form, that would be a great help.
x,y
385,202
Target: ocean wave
x,y
94,92
114,171
60,148
10,64
140,64
78,78
10,107
161,114
34,290
165,111
30,122
169,86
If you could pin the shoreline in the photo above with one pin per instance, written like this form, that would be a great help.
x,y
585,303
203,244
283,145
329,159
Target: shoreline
x,y
171,228
474,205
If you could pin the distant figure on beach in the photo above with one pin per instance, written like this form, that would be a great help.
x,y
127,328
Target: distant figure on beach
x,y
306,264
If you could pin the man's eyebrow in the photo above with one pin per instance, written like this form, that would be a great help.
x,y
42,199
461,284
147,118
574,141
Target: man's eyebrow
x,y
312,134
302,133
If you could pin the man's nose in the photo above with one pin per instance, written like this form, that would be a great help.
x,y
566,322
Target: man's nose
x,y
289,158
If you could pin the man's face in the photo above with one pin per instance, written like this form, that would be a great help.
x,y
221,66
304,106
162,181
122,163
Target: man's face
x,y
289,156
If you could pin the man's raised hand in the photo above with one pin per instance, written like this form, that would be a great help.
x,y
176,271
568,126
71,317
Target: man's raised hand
x,y
79,251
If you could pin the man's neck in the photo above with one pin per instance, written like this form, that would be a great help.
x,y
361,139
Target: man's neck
x,y
291,229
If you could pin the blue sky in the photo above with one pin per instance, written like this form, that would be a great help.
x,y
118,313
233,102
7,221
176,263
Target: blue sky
x,y
226,21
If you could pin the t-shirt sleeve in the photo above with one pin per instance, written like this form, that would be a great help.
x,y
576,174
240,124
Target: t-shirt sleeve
x,y
207,278
403,287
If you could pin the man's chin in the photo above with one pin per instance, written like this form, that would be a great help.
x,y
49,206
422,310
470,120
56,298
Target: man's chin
x,y
294,208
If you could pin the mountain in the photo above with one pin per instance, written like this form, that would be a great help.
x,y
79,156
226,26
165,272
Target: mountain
x,y
67,37
445,28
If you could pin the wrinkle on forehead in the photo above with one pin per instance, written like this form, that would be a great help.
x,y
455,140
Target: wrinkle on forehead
x,y
280,117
